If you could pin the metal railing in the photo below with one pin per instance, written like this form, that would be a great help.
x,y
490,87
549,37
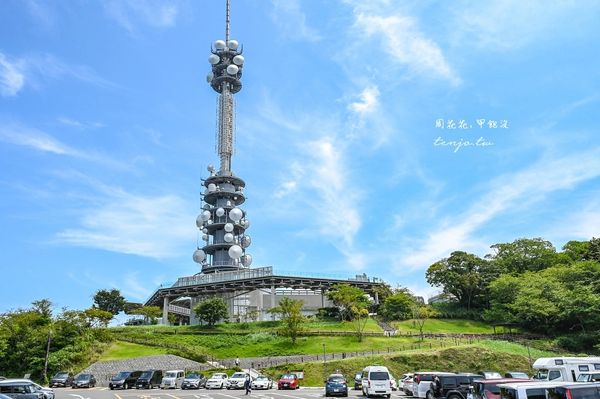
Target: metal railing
x,y
179,310
224,276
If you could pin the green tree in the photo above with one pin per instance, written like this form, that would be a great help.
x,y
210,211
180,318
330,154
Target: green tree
x,y
111,301
292,319
523,254
211,310
397,306
463,275
593,250
421,313
576,250
345,296
150,313
98,317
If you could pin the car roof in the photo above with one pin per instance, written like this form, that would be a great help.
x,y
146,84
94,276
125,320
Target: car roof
x,y
533,383
502,380
336,375
13,380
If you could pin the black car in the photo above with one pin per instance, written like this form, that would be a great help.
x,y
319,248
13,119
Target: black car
x,y
193,381
574,391
454,386
61,379
335,385
124,380
358,380
84,380
149,379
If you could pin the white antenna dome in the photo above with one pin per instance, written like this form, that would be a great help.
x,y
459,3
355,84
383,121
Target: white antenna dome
x,y
228,237
236,214
232,69
199,256
219,44
210,77
214,59
233,44
238,60
228,227
235,251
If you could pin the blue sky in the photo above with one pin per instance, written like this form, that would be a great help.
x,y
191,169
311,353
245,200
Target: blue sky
x,y
107,125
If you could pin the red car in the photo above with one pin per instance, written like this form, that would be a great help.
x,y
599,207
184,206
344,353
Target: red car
x,y
288,381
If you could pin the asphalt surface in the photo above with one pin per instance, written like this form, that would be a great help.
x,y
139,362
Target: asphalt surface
x,y
105,393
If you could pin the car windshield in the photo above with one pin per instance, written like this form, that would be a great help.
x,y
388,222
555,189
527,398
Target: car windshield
x,y
146,374
336,378
379,375
81,377
171,375
218,376
288,376
122,375
239,375
192,376
61,375
542,374
261,378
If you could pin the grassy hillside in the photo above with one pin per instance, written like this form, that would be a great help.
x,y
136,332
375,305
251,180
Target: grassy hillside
x,y
453,326
471,358
120,350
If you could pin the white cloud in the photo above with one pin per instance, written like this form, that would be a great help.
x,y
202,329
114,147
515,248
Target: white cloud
x,y
78,124
12,78
154,13
369,101
33,69
406,45
37,140
509,193
150,226
291,20
511,24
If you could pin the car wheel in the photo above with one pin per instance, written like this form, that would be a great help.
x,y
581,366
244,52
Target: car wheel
x,y
389,395
454,396
111,388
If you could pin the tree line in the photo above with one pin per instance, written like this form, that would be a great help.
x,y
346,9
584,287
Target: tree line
x,y
528,284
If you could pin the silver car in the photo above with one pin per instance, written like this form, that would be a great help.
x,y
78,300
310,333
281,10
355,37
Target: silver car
x,y
24,389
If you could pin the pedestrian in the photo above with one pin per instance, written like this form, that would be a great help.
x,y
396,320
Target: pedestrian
x,y
237,362
248,384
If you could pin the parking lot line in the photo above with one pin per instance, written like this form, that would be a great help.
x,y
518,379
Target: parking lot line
x,y
173,396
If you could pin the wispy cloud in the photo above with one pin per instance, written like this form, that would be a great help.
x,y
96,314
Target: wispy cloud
x,y
12,78
368,102
145,225
512,24
39,140
78,124
291,20
405,44
509,193
132,13
35,69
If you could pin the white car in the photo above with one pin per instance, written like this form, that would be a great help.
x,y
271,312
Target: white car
x,y
405,382
376,381
216,381
393,383
262,382
172,379
236,381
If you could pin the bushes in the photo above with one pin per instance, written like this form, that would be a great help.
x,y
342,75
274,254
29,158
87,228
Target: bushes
x,y
583,342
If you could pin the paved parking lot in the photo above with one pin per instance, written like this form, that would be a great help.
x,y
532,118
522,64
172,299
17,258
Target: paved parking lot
x,y
105,393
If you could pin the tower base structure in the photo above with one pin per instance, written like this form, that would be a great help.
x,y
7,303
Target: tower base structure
x,y
251,293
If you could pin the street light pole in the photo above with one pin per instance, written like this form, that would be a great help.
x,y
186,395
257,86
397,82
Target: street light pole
x,y
323,352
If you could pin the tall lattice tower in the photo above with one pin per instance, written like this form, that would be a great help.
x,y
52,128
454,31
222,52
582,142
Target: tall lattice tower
x,y
222,222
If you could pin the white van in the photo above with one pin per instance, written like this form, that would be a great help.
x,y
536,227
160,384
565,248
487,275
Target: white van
x,y
422,382
527,389
172,379
564,368
376,381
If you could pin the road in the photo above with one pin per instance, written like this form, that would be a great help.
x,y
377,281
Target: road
x,y
105,393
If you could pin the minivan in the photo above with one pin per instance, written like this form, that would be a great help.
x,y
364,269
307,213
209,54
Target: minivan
x,y
422,382
527,390
124,380
376,381
149,379
172,379
20,389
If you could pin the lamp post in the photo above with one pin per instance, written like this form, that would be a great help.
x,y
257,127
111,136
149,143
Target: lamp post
x,y
323,352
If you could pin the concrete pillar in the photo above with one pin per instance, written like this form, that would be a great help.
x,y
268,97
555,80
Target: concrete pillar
x,y
193,318
376,298
322,297
272,300
231,307
165,315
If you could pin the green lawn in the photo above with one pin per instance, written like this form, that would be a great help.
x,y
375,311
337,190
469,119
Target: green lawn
x,y
119,350
455,326
515,349
254,327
